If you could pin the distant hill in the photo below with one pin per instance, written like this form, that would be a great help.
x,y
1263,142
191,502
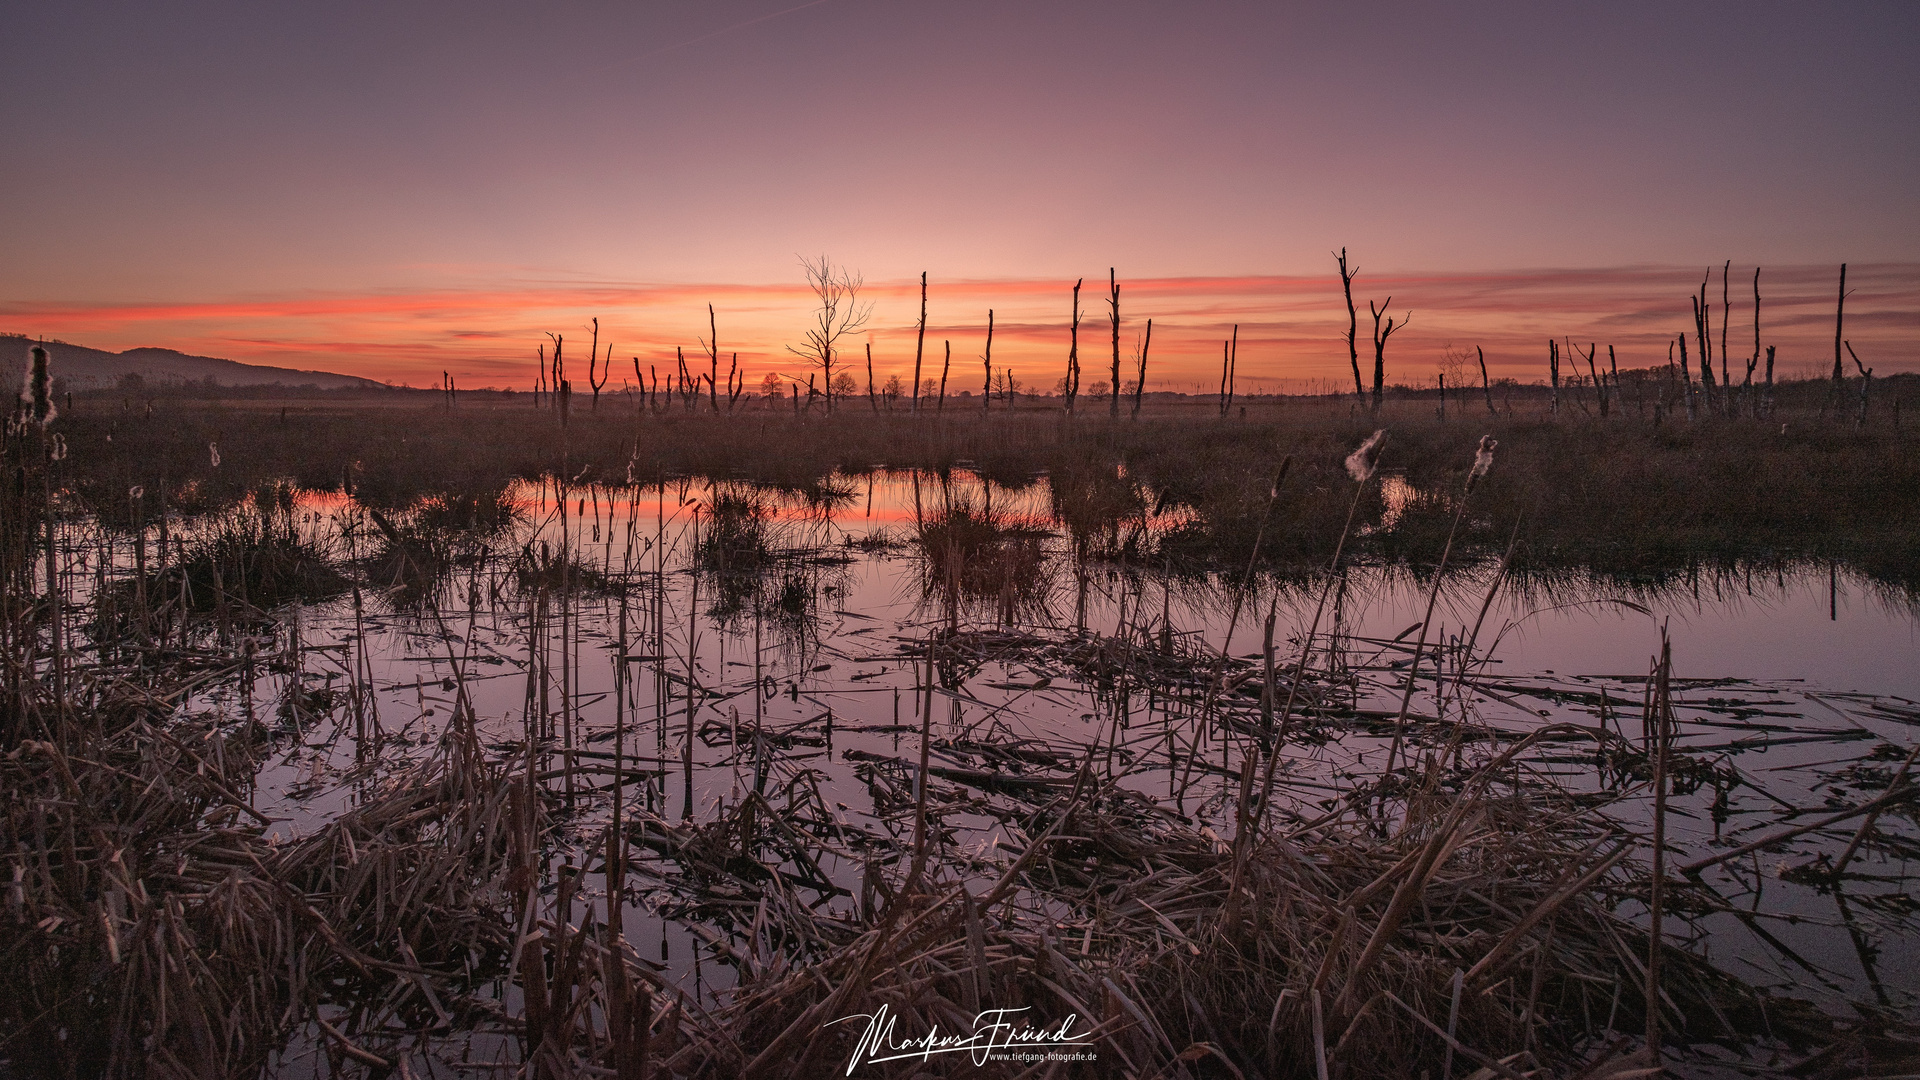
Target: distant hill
x,y
93,369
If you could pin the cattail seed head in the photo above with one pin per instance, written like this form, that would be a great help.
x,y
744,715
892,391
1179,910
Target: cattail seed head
x,y
39,393
1363,461
213,452
1482,460
57,448
136,492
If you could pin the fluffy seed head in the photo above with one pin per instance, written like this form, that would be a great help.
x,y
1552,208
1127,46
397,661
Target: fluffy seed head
x,y
1362,462
213,452
1482,460
39,393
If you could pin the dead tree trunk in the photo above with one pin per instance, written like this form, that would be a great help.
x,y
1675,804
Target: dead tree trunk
x,y
1140,383
986,390
1686,373
1353,321
1768,403
593,360
1866,383
944,366
1599,383
1726,319
1073,349
871,401
713,361
920,342
1380,347
1229,354
1486,387
1839,326
1703,330
1113,402
1553,376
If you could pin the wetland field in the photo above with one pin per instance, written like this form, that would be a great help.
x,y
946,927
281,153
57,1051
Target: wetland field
x,y
420,734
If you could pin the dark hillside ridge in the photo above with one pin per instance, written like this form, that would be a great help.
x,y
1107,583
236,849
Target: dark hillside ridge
x,y
82,368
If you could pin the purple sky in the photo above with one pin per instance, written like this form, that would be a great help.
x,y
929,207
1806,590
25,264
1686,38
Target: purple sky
x,y
209,154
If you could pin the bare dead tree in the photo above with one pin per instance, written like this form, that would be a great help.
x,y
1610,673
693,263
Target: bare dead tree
x,y
1347,274
1073,349
920,342
1380,347
1866,383
870,398
1767,404
837,313
1703,333
1229,362
986,391
1113,283
1553,376
1687,375
1599,380
1614,363
1140,383
1746,386
562,389
593,357
1486,387
1839,325
1726,320
712,346
945,364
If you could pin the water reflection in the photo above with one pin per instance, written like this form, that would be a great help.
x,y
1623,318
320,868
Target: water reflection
x,y
781,650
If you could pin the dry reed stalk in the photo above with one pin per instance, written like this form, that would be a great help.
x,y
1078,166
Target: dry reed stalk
x,y
1661,720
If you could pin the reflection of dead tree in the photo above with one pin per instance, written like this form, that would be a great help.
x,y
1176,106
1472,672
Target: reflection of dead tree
x,y
1380,346
839,312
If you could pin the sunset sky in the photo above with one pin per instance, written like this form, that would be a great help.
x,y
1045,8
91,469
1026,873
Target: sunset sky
x,y
393,189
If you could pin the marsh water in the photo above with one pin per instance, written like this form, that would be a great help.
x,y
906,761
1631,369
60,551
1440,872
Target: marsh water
x,y
804,678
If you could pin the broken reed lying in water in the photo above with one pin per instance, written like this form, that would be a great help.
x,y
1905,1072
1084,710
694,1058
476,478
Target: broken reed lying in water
x,y
1450,914
159,927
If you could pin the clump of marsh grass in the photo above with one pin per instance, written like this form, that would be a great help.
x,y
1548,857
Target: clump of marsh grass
x,y
738,533
416,549
255,557
975,553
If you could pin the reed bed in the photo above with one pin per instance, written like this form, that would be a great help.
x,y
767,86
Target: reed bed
x,y
469,893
